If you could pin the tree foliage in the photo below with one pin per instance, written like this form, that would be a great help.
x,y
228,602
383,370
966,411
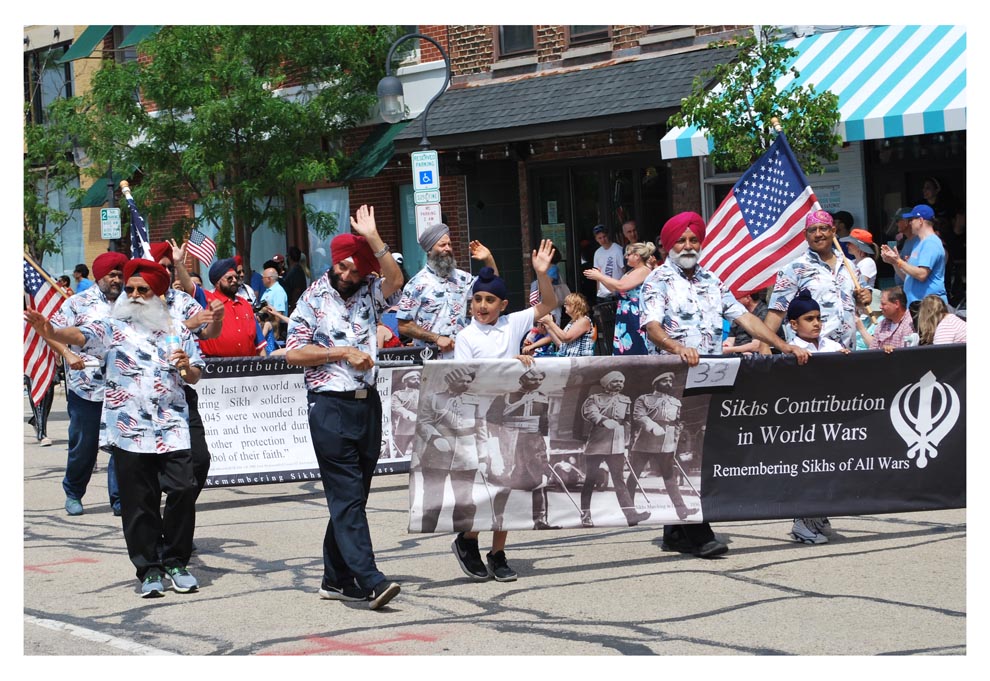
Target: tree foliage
x,y
736,114
232,118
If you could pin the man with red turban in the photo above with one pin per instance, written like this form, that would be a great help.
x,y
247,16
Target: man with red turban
x,y
333,334
84,396
148,358
682,308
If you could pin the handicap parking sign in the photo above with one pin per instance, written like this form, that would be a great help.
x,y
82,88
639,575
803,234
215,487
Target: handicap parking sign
x,y
425,170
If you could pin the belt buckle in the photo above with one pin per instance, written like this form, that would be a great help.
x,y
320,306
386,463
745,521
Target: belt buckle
x,y
361,394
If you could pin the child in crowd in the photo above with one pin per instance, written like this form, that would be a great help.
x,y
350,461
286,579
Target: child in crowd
x,y
805,318
864,253
492,335
538,342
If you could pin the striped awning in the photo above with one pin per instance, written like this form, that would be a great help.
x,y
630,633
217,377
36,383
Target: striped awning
x,y
891,81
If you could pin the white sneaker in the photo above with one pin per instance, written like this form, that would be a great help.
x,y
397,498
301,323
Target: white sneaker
x,y
820,525
801,532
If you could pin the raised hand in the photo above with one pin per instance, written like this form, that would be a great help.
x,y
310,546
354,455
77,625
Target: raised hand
x,y
178,252
363,222
543,256
40,322
479,251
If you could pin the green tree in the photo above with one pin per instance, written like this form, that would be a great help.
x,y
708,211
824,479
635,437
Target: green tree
x,y
736,114
50,176
233,118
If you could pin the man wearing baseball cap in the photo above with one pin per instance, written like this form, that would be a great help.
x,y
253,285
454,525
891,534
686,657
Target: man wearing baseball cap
x,y
924,269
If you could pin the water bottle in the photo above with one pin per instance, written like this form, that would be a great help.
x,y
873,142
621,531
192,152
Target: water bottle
x,y
173,343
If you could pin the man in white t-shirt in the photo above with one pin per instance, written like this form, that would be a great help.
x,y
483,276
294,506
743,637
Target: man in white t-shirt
x,y
609,259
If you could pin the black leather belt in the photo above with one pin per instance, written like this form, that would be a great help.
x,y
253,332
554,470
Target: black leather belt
x,y
359,394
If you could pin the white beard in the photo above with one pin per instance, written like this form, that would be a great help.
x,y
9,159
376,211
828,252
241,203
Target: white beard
x,y
686,259
147,315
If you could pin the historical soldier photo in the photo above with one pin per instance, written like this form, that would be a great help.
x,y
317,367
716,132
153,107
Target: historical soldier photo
x,y
609,414
518,424
404,405
656,432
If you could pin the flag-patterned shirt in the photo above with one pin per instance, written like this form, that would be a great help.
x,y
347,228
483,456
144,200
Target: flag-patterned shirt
x,y
438,305
831,289
182,306
689,309
144,407
83,308
323,318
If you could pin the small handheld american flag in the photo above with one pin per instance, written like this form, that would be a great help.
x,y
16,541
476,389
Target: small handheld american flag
x,y
39,359
201,246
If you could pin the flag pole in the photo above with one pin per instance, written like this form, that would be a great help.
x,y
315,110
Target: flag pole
x,y
44,274
775,122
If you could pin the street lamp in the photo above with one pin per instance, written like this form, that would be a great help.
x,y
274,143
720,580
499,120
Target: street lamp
x,y
390,98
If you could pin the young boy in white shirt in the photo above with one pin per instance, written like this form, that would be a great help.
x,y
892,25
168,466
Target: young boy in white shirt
x,y
805,317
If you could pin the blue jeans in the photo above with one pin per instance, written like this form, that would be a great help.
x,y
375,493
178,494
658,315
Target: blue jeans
x,y
84,439
347,439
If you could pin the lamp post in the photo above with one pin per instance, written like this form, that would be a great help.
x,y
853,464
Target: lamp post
x,y
390,97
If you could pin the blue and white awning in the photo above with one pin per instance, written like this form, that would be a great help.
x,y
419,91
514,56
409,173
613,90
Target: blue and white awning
x,y
891,81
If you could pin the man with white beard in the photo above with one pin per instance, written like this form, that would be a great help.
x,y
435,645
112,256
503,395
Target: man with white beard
x,y
434,302
682,308
84,396
144,422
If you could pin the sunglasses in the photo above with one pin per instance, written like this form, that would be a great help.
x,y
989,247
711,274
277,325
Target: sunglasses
x,y
818,228
142,290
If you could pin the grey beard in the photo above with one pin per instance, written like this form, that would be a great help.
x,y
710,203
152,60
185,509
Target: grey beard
x,y
147,315
442,263
686,259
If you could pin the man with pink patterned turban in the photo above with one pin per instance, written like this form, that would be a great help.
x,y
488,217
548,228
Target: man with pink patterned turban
x,y
821,271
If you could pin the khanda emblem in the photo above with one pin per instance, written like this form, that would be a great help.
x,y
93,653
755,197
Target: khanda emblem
x,y
922,414
426,354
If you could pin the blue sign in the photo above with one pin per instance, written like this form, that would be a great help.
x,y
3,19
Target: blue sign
x,y
426,177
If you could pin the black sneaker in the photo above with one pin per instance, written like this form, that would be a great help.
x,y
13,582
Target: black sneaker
x,y
711,549
348,592
499,568
469,557
383,593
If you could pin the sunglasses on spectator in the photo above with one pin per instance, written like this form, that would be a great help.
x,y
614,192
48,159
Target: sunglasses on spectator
x,y
818,228
142,290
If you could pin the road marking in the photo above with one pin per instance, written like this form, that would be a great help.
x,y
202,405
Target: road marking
x,y
326,644
41,566
91,635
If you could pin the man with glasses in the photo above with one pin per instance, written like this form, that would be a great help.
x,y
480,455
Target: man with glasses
x,y
821,272
86,386
152,448
241,334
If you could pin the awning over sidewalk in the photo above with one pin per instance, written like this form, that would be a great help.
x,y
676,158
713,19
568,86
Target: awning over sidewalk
x,y
84,45
891,81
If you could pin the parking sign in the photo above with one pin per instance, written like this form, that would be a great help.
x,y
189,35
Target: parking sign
x,y
425,170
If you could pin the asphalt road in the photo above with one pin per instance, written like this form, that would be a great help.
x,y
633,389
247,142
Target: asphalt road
x,y
886,585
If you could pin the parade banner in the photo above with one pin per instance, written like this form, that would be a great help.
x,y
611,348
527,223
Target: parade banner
x,y
620,441
255,416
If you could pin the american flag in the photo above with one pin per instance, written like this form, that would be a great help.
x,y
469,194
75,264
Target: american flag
x,y
759,227
140,247
39,359
201,246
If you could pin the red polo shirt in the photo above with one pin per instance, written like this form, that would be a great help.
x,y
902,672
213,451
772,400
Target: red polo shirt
x,y
239,333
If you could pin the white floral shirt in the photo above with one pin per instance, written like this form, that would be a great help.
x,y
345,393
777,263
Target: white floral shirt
x,y
144,407
437,305
322,317
82,308
832,290
689,309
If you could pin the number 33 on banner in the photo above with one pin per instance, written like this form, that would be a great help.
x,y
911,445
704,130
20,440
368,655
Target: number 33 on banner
x,y
712,373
